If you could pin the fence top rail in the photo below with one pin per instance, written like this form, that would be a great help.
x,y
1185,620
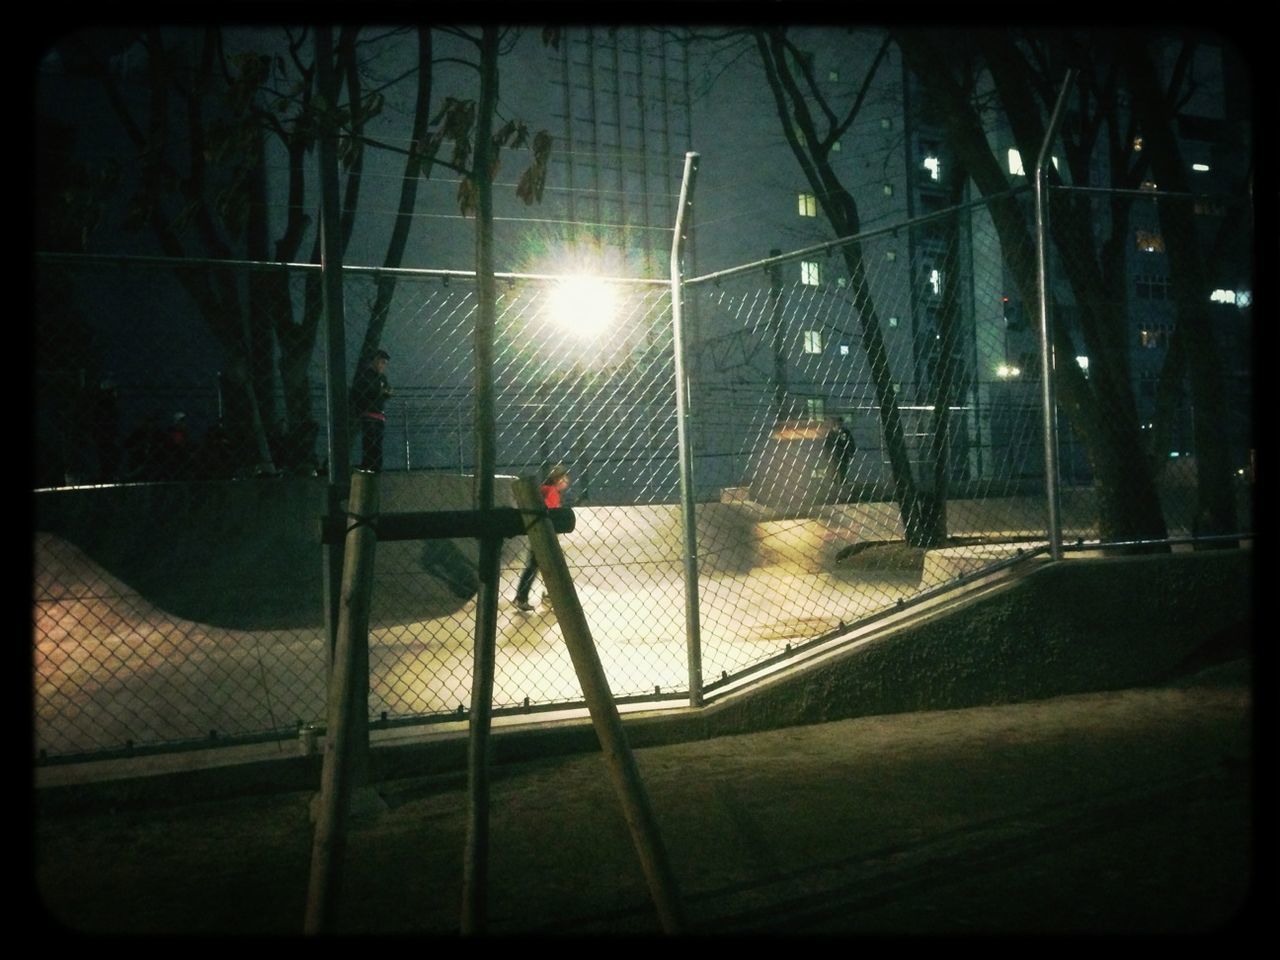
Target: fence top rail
x,y
1123,191
106,259
829,245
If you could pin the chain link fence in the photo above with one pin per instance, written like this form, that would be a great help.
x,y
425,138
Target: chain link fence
x,y
1152,298
867,432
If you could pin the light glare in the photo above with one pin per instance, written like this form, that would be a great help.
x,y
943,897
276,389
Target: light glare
x,y
583,306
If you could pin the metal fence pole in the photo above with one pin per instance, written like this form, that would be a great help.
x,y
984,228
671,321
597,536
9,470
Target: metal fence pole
x,y
1047,372
408,465
458,410
780,411
693,632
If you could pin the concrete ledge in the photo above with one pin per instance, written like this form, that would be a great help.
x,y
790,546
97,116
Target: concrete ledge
x,y
948,563
1071,627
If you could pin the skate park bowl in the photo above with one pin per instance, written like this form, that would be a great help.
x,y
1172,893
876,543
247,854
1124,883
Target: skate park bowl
x,y
210,597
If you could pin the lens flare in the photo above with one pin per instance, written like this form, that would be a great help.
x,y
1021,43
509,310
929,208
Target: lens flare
x,y
583,306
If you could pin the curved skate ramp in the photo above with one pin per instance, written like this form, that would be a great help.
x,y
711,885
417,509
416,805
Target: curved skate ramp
x,y
245,555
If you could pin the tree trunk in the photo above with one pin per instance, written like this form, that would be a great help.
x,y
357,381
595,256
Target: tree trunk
x,y
1217,508
922,520
1100,408
475,867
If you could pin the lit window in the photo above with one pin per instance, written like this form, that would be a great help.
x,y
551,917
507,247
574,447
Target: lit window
x,y
935,281
833,75
815,407
842,282
1243,298
888,189
844,349
808,205
1137,144
1223,296
1147,185
893,321
1015,163
934,166
813,341
1148,241
835,146
886,123
1083,364
1200,167
891,255
809,275
1007,372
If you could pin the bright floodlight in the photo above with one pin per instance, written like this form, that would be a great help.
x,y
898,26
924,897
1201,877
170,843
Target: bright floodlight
x,y
583,306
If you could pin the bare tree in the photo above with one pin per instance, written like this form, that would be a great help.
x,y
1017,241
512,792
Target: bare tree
x,y
201,132
1024,73
812,126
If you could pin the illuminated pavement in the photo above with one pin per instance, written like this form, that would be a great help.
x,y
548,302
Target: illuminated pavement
x,y
111,668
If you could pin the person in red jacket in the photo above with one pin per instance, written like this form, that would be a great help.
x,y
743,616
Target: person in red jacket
x,y
556,483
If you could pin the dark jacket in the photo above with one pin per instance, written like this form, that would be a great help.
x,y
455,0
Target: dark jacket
x,y
369,392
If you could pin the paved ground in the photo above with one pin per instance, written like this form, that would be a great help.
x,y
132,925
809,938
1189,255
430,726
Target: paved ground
x,y
1127,812
111,667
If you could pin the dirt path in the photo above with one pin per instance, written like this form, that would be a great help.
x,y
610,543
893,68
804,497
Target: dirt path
x,y
1119,812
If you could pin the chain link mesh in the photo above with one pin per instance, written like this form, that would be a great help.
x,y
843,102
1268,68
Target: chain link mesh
x,y
1158,385
181,462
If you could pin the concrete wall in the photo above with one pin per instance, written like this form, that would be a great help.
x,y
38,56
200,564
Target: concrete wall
x,y
1080,625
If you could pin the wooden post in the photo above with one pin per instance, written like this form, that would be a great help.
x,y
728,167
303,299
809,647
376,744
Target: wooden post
x,y
475,863
353,634
475,871
619,759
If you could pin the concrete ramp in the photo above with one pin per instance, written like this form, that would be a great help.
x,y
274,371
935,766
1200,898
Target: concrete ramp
x,y
246,555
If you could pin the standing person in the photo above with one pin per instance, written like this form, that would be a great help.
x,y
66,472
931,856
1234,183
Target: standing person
x,y
840,447
369,392
557,482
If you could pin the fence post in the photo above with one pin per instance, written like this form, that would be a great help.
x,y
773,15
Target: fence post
x,y
408,465
458,411
693,631
1047,372
780,406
